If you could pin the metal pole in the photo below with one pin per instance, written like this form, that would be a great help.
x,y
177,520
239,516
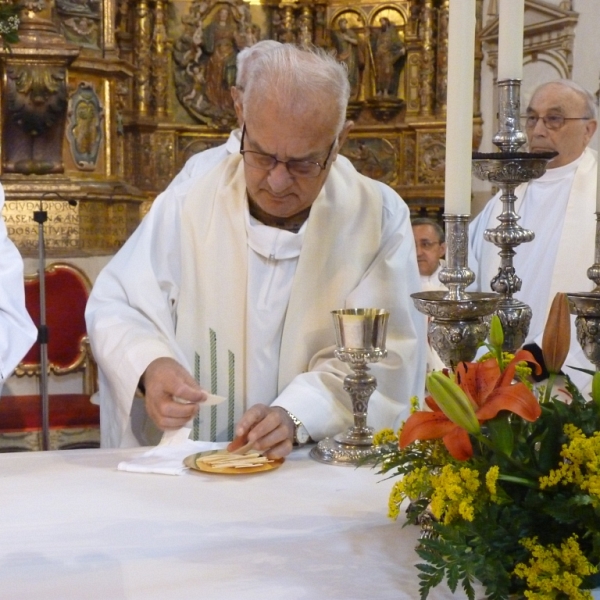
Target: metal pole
x,y
40,217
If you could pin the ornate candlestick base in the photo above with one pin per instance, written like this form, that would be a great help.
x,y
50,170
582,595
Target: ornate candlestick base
x,y
456,328
360,339
515,317
456,323
587,308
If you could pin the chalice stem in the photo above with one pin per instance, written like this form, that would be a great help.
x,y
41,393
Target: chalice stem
x,y
360,385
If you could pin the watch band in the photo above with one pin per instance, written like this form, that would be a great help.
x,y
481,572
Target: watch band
x,y
298,425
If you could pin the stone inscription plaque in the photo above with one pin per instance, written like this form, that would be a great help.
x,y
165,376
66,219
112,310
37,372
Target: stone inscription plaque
x,y
87,228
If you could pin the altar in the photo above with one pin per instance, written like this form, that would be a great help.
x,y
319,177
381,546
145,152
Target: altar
x,y
72,526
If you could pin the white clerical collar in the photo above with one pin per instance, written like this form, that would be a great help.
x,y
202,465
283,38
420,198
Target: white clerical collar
x,y
272,242
561,172
435,276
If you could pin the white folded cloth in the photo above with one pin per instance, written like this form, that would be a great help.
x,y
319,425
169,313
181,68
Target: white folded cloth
x,y
167,459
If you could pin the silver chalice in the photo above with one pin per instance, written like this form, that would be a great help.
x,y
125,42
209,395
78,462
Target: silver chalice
x,y
360,339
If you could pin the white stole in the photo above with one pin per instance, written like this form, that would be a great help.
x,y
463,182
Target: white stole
x,y
342,238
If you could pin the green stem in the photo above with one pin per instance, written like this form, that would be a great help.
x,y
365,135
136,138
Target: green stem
x,y
526,482
549,386
534,474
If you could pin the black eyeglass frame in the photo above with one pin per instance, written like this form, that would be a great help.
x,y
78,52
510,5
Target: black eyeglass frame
x,y
427,244
307,163
545,119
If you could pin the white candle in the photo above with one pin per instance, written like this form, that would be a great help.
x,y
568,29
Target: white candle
x,y
510,39
598,179
459,107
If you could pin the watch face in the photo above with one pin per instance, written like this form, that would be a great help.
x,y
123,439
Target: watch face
x,y
302,434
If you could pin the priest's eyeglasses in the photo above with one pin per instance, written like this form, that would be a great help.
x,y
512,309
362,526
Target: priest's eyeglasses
x,y
552,122
426,244
296,168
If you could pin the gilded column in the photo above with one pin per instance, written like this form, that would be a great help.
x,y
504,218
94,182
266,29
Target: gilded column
x,y
108,30
478,59
123,33
287,33
442,57
305,26
142,45
160,63
427,60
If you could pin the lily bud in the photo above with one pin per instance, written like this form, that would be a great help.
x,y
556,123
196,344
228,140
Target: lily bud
x,y
557,334
453,402
496,332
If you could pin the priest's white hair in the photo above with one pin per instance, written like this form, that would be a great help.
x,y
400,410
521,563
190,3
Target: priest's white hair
x,y
299,78
587,97
246,58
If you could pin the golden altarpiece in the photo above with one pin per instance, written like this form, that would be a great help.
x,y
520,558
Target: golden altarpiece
x,y
103,101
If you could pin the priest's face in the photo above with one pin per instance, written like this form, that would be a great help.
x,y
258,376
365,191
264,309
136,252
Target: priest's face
x,y
430,249
308,135
558,119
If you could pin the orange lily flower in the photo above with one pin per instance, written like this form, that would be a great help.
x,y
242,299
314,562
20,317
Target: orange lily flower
x,y
489,390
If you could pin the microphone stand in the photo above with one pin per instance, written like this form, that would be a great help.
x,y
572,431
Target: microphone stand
x,y
40,217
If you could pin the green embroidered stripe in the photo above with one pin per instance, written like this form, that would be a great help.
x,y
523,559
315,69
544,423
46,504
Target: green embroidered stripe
x,y
213,383
231,396
196,425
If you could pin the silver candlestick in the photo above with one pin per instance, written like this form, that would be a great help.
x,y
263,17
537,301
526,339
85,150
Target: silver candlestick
x,y
586,305
457,323
360,339
509,168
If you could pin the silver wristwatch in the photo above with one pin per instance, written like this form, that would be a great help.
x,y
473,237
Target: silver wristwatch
x,y
301,435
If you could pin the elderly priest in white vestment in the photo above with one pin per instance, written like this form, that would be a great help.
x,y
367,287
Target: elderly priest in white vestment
x,y
558,207
17,330
227,285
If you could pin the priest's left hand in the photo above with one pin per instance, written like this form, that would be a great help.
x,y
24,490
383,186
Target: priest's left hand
x,y
270,429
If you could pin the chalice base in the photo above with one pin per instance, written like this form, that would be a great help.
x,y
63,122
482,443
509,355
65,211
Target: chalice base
x,y
356,436
332,452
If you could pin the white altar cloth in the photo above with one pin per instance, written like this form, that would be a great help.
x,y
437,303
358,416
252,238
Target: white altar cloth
x,y
72,527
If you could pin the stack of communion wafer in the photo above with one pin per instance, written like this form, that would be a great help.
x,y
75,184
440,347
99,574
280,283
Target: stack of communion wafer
x,y
228,460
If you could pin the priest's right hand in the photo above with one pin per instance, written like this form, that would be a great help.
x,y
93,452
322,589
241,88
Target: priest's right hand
x,y
164,380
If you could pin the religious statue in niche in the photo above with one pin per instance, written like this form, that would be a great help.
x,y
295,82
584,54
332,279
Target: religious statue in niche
x,y
389,56
205,58
84,129
34,119
350,50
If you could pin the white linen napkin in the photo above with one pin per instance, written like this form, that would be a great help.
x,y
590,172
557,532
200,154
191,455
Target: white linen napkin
x,y
166,459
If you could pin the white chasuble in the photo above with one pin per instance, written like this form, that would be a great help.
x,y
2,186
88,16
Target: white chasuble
x,y
212,323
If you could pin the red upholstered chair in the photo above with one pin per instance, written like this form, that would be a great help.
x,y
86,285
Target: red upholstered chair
x,y
74,420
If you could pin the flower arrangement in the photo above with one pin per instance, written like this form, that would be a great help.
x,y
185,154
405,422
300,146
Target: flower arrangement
x,y
9,22
504,480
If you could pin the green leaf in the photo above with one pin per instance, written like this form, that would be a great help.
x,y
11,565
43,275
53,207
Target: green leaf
x,y
500,432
